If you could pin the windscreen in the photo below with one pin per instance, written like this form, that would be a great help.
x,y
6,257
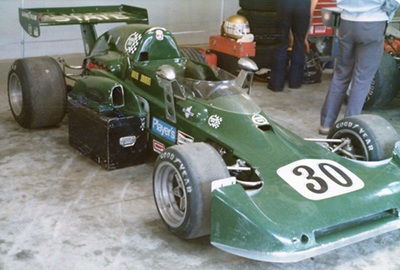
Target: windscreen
x,y
223,94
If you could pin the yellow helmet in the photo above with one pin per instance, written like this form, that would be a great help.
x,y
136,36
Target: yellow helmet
x,y
235,27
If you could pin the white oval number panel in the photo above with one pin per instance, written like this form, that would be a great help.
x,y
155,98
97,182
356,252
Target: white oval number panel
x,y
318,179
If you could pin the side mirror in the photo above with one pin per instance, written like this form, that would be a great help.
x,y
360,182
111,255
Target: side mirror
x,y
245,77
167,80
166,72
247,64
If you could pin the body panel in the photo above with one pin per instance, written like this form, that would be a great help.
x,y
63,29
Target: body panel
x,y
305,199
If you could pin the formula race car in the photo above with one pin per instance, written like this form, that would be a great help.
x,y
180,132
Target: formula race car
x,y
224,168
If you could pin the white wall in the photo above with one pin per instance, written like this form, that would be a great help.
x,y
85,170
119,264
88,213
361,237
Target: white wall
x,y
191,21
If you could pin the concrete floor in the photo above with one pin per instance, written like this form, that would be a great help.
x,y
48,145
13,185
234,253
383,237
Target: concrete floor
x,y
60,210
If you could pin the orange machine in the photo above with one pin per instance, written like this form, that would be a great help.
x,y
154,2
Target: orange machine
x,y
232,47
228,52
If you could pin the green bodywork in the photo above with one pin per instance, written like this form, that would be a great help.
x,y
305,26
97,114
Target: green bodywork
x,y
86,17
272,221
279,224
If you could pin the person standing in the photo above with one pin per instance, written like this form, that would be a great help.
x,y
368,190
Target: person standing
x,y
293,15
361,39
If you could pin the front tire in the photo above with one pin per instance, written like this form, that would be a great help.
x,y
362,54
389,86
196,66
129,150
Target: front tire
x,y
182,187
37,92
372,137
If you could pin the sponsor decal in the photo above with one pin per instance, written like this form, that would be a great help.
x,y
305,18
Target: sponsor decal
x,y
184,138
165,130
30,32
142,123
320,29
158,147
83,17
146,80
259,120
132,42
159,35
29,16
188,111
214,121
327,16
319,179
135,75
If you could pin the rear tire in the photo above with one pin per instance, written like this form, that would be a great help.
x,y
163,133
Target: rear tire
x,y
182,187
193,53
37,92
372,137
385,83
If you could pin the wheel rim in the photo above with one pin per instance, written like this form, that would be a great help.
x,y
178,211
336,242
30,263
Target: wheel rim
x,y
15,94
358,147
170,194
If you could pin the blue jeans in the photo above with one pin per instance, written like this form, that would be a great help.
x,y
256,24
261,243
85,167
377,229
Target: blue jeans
x,y
359,55
294,15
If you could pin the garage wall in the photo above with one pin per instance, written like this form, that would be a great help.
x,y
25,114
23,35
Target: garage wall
x,y
191,21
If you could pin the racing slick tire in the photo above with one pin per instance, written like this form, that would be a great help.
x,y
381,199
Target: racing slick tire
x,y
37,92
261,19
264,57
385,83
263,25
372,137
193,53
182,187
265,5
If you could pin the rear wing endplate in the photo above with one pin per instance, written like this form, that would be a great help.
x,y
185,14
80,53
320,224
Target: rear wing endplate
x,y
32,19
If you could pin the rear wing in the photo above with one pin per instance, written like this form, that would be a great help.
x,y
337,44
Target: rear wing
x,y
31,19
87,17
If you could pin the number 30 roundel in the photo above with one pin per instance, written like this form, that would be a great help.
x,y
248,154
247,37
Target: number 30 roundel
x,y
318,179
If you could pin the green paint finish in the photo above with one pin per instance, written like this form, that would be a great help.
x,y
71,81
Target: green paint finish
x,y
279,224
32,18
86,17
337,202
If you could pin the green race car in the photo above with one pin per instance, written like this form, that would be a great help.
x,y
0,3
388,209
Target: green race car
x,y
224,168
